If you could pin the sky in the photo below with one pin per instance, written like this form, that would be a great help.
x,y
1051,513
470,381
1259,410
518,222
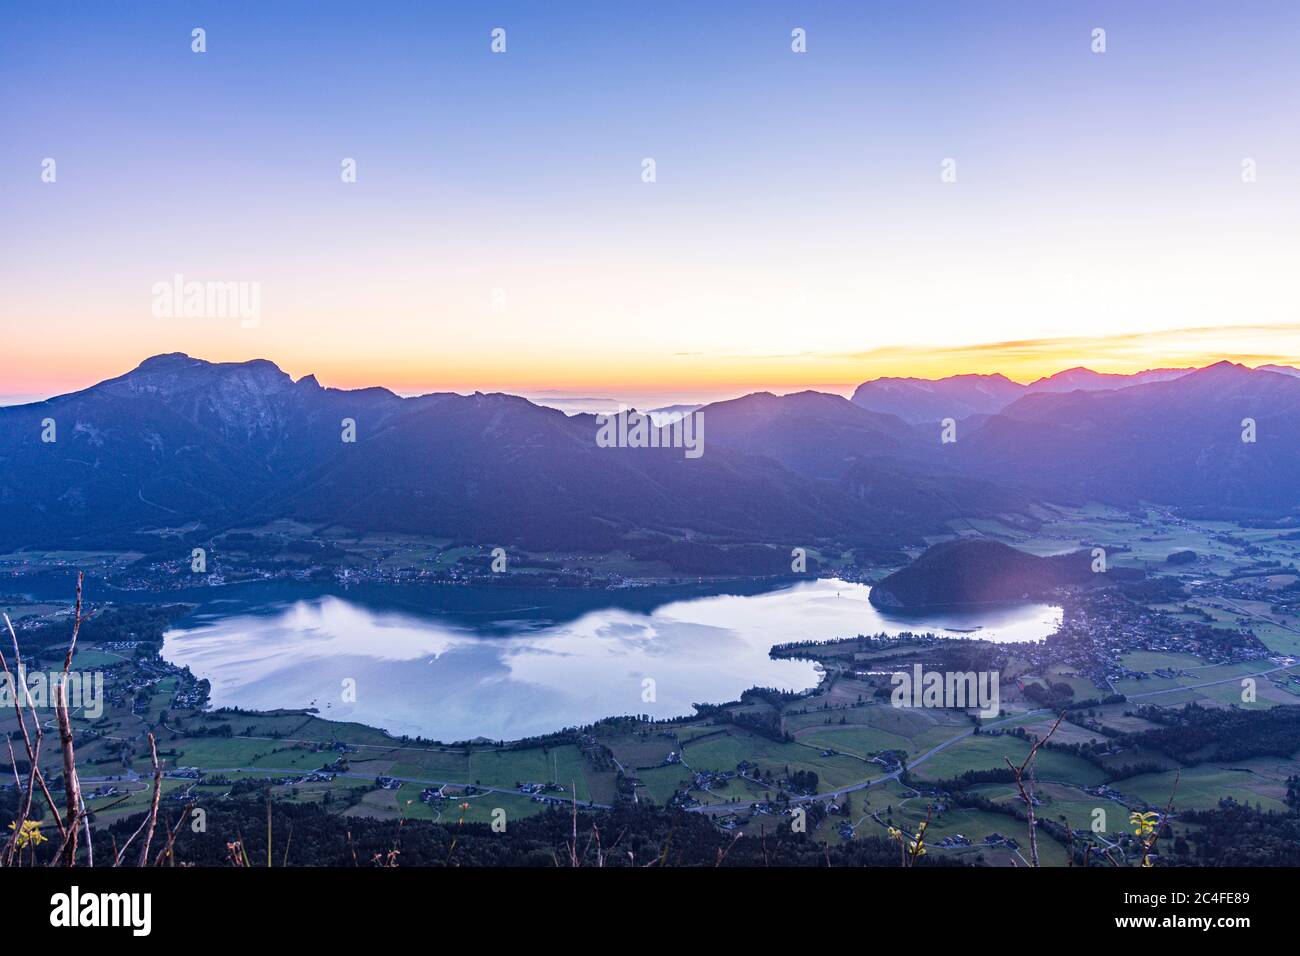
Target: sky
x,y
500,234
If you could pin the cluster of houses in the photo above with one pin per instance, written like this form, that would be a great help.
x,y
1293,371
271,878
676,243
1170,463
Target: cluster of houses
x,y
539,788
1110,793
955,840
762,808
708,779
192,696
340,763
335,746
889,760
553,801
1099,628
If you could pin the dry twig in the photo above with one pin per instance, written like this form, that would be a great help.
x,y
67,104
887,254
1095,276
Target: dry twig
x,y
1027,795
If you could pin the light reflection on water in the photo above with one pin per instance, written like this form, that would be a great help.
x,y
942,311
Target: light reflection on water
x,y
438,676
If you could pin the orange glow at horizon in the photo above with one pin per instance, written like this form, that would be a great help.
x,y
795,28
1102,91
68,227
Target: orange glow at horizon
x,y
62,369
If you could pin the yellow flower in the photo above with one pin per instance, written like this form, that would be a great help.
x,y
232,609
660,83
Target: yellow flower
x,y
30,834
1145,823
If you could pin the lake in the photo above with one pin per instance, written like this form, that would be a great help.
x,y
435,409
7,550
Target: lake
x,y
455,663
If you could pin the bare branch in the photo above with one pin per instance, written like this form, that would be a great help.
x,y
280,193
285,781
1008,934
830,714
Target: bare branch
x,y
288,842
1027,795
166,852
1149,845
33,749
153,807
71,783
150,818
76,627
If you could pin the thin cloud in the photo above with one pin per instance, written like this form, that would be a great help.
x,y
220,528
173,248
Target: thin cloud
x,y
1167,347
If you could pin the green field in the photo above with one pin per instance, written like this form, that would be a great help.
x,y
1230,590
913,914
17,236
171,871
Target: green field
x,y
724,752
975,825
1203,786
1057,800
983,752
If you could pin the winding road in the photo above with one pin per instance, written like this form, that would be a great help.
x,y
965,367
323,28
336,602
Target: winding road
x,y
724,808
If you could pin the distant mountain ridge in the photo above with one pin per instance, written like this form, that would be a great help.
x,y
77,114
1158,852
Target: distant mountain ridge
x,y
181,443
917,400
921,400
181,446
1178,442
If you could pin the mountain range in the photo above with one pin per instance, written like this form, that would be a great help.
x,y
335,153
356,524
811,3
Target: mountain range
x,y
184,446
918,400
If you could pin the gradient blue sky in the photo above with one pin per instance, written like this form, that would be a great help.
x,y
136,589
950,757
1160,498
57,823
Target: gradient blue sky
x,y
798,233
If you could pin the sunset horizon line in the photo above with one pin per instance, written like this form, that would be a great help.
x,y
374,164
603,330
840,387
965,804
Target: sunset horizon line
x,y
699,373
704,391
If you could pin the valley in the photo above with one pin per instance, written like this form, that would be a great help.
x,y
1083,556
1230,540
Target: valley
x,y
1126,657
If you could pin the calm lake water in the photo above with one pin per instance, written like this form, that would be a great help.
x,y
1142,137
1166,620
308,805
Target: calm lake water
x,y
459,663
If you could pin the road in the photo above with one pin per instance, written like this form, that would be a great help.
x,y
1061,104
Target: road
x,y
1263,617
710,809
299,772
724,808
1211,683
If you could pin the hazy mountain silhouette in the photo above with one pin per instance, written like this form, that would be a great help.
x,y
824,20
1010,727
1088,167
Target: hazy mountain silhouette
x,y
809,432
1176,442
180,443
919,400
